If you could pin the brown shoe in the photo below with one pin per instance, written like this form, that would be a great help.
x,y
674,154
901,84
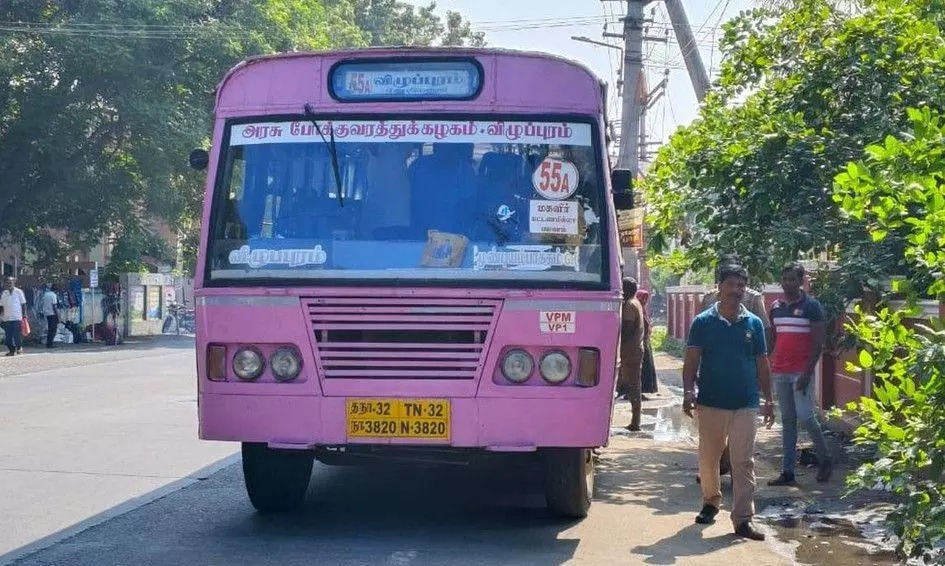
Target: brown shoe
x,y
747,530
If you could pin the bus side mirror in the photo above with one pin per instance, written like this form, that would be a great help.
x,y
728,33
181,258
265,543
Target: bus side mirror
x,y
621,181
199,158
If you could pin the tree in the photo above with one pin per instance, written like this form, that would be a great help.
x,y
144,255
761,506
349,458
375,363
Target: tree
x,y
101,101
460,32
803,89
898,192
825,133
396,23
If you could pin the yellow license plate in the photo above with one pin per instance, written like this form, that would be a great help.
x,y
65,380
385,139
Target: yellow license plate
x,y
399,418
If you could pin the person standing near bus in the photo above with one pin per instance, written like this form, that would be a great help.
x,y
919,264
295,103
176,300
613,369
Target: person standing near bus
x,y
648,379
632,330
799,341
726,346
13,304
49,303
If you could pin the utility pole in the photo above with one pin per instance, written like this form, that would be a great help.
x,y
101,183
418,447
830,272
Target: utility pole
x,y
632,103
689,48
628,154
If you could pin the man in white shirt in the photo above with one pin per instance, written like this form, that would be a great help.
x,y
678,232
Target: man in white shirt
x,y
13,307
48,304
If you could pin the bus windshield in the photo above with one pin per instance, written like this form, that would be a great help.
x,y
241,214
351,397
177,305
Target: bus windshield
x,y
414,200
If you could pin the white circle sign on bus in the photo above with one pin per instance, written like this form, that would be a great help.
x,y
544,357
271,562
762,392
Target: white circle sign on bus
x,y
555,179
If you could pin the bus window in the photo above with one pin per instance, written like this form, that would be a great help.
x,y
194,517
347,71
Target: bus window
x,y
509,210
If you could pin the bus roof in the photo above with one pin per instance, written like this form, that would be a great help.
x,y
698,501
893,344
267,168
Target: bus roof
x,y
513,82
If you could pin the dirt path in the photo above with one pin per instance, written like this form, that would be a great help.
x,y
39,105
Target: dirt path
x,y
809,524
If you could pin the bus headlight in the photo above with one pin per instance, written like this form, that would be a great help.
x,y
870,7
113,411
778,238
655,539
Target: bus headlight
x,y
517,366
285,364
555,367
248,363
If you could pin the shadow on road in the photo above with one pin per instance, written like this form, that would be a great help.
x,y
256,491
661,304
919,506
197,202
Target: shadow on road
x,y
687,542
353,515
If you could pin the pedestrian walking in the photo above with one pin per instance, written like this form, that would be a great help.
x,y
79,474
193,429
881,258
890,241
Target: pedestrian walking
x,y
648,371
726,346
631,352
13,306
798,344
754,301
49,305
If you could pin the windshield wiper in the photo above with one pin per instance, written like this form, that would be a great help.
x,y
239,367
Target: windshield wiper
x,y
332,150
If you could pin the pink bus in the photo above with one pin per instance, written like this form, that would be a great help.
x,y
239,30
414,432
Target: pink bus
x,y
408,253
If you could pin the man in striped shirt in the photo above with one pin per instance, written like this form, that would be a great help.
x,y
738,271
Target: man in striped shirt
x,y
798,321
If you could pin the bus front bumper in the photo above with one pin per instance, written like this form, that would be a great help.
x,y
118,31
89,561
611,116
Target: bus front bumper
x,y
500,424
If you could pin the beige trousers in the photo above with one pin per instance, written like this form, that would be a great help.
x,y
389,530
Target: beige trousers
x,y
737,428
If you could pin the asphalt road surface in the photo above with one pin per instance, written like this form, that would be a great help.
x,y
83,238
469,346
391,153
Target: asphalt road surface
x,y
99,465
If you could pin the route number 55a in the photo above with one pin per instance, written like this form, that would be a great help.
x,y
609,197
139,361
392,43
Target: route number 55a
x,y
555,179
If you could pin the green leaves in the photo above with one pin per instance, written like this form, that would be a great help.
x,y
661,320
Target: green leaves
x,y
826,134
96,122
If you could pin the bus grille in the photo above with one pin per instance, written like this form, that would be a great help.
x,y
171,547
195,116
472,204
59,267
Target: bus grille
x,y
400,338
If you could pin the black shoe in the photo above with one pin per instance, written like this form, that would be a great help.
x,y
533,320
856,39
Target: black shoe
x,y
633,427
707,515
10,354
783,479
824,470
747,530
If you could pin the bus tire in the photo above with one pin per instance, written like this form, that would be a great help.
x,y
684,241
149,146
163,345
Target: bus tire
x,y
569,481
276,480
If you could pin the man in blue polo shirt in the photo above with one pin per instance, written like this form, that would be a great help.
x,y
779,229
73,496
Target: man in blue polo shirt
x,y
726,347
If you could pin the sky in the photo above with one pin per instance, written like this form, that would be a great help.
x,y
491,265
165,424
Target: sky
x,y
548,25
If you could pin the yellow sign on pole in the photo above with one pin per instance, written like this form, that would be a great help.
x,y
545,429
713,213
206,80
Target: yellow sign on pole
x,y
630,228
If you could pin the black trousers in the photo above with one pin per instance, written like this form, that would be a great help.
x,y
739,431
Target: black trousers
x,y
52,325
14,334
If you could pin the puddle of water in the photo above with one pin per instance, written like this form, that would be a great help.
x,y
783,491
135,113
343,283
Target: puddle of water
x,y
848,539
663,424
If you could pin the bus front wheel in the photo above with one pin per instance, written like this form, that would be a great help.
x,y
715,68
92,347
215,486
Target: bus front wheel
x,y
276,480
569,481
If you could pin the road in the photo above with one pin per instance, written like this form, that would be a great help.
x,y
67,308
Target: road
x,y
117,440
107,426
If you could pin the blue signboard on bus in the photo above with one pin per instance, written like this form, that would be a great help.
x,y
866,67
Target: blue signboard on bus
x,y
371,81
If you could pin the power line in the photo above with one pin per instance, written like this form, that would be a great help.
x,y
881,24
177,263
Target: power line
x,y
524,27
126,33
533,20
683,50
613,104
714,30
672,109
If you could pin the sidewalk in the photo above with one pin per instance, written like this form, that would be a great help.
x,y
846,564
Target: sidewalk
x,y
810,524
38,358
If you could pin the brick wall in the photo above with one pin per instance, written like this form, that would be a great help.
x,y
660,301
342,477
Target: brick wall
x,y
835,385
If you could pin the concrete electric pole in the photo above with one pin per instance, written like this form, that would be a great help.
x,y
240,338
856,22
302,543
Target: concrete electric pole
x,y
628,154
688,47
